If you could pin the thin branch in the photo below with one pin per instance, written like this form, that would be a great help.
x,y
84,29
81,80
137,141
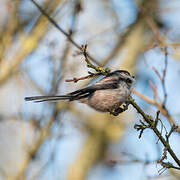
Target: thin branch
x,y
154,88
148,119
157,72
75,80
164,111
173,128
99,69
164,76
68,35
147,99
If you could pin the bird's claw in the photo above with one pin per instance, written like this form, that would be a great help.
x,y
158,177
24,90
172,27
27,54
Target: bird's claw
x,y
119,110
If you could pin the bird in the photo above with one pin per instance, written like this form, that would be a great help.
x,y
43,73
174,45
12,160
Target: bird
x,y
106,95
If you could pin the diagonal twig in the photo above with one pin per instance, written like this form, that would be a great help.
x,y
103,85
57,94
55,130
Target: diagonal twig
x,y
148,119
68,35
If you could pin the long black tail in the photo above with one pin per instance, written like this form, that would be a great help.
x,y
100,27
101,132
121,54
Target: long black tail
x,y
47,98
76,95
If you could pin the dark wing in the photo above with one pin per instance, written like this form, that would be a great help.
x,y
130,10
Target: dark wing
x,y
79,94
102,84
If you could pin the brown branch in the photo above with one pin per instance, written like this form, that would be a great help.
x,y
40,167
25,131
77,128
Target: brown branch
x,y
154,88
163,110
45,132
75,80
151,122
68,35
147,99
159,37
164,76
99,69
27,43
157,72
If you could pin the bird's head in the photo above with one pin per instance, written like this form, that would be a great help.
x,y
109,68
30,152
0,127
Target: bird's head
x,y
124,76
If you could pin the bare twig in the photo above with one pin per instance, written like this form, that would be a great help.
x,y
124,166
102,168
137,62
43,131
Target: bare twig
x,y
164,76
99,69
68,35
154,88
163,110
152,124
173,128
75,80
149,100
157,72
157,118
141,127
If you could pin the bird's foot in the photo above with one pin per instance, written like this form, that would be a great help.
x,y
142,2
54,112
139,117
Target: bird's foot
x,y
119,110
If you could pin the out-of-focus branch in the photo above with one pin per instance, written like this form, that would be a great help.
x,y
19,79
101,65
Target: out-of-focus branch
x,y
46,130
9,28
164,76
91,152
44,134
27,43
147,99
95,147
127,40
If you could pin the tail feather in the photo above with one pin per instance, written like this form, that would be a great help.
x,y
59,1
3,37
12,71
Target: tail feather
x,y
47,98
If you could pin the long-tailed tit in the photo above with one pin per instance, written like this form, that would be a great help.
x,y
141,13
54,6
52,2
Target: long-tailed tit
x,y
106,95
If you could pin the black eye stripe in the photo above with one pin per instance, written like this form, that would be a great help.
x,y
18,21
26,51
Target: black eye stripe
x,y
127,80
122,79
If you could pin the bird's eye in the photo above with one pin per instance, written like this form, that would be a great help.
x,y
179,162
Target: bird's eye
x,y
129,81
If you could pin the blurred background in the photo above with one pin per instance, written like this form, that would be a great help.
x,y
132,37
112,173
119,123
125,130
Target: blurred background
x,y
70,140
